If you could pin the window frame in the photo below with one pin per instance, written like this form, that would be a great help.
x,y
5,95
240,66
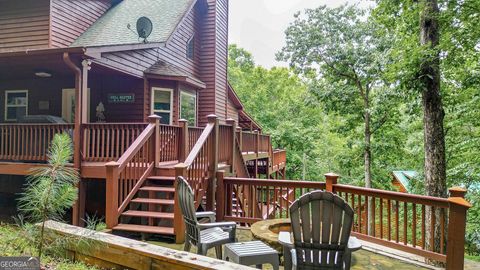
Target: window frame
x,y
187,51
15,106
194,95
153,111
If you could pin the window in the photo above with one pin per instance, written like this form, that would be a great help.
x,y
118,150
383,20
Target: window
x,y
162,104
188,107
16,104
191,48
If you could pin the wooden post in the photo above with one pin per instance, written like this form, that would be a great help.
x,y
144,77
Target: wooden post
x,y
213,119
183,141
240,138
111,207
232,123
178,222
456,228
155,119
220,209
330,180
257,138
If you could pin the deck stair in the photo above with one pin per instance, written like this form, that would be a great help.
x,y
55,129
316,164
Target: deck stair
x,y
151,211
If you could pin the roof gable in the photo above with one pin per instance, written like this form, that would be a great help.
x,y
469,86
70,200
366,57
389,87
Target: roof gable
x,y
111,28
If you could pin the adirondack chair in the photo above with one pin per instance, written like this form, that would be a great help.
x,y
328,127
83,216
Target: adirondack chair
x,y
203,235
321,225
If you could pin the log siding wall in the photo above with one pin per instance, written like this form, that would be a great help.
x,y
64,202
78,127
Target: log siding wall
x,y
70,18
24,24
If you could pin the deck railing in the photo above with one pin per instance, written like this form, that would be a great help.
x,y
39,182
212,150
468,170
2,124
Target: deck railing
x,y
397,220
193,136
28,142
199,169
279,159
169,144
126,175
103,142
225,140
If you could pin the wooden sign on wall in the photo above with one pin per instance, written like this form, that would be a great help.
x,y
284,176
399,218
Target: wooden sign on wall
x,y
121,98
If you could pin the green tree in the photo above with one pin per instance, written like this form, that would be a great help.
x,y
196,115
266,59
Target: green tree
x,y
51,190
280,101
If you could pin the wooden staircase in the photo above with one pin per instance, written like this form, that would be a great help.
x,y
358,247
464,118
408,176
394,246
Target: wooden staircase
x,y
151,210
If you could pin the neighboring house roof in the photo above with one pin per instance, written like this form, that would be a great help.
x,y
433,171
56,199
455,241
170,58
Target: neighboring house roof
x,y
404,177
162,69
111,28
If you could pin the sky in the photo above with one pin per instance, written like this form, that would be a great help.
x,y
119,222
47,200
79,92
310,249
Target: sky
x,y
258,25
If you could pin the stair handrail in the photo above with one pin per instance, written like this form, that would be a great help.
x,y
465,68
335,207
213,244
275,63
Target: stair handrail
x,y
114,204
201,162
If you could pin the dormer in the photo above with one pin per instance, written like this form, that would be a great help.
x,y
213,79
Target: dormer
x,y
42,24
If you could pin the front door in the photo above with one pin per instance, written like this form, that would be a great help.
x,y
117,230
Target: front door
x,y
68,104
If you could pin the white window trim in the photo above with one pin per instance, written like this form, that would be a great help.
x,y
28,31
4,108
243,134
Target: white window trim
x,y
14,106
196,104
171,102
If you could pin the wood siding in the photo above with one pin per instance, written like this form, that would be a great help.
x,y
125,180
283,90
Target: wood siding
x,y
214,60
24,24
70,18
100,86
232,112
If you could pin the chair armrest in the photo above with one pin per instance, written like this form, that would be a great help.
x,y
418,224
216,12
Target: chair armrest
x,y
285,240
209,215
226,225
354,244
288,248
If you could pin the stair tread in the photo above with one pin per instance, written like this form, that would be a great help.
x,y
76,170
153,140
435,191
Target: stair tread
x,y
144,228
149,214
172,178
153,201
159,189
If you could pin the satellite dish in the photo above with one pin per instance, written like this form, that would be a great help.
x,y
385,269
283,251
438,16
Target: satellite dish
x,y
144,28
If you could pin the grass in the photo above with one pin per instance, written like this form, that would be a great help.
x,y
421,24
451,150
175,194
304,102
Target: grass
x,y
13,244
472,258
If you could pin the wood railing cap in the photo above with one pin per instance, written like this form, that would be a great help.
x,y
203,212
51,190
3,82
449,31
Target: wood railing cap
x,y
212,118
460,201
112,164
182,120
154,117
457,192
230,120
330,174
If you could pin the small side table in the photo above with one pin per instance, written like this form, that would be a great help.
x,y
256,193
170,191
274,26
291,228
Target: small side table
x,y
251,253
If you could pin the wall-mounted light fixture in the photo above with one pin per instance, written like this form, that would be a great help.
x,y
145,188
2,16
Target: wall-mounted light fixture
x,y
43,74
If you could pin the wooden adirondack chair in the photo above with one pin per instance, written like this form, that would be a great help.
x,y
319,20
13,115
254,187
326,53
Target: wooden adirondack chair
x,y
203,235
321,225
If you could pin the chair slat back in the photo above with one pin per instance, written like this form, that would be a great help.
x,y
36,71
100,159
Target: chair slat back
x,y
187,205
321,225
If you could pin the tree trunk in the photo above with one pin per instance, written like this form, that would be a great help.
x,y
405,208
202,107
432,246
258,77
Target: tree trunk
x,y
367,154
433,114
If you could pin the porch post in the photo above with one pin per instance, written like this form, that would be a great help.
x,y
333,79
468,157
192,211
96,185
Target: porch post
x,y
183,140
456,228
178,222
84,108
331,179
240,138
257,138
232,123
77,158
213,119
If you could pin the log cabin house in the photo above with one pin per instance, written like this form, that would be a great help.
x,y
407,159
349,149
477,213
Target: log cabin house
x,y
143,111
139,111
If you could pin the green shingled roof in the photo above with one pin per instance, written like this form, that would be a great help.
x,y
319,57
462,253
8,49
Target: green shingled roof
x,y
405,177
111,28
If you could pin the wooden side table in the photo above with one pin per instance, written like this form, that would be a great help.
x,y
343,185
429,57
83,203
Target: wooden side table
x,y
251,253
